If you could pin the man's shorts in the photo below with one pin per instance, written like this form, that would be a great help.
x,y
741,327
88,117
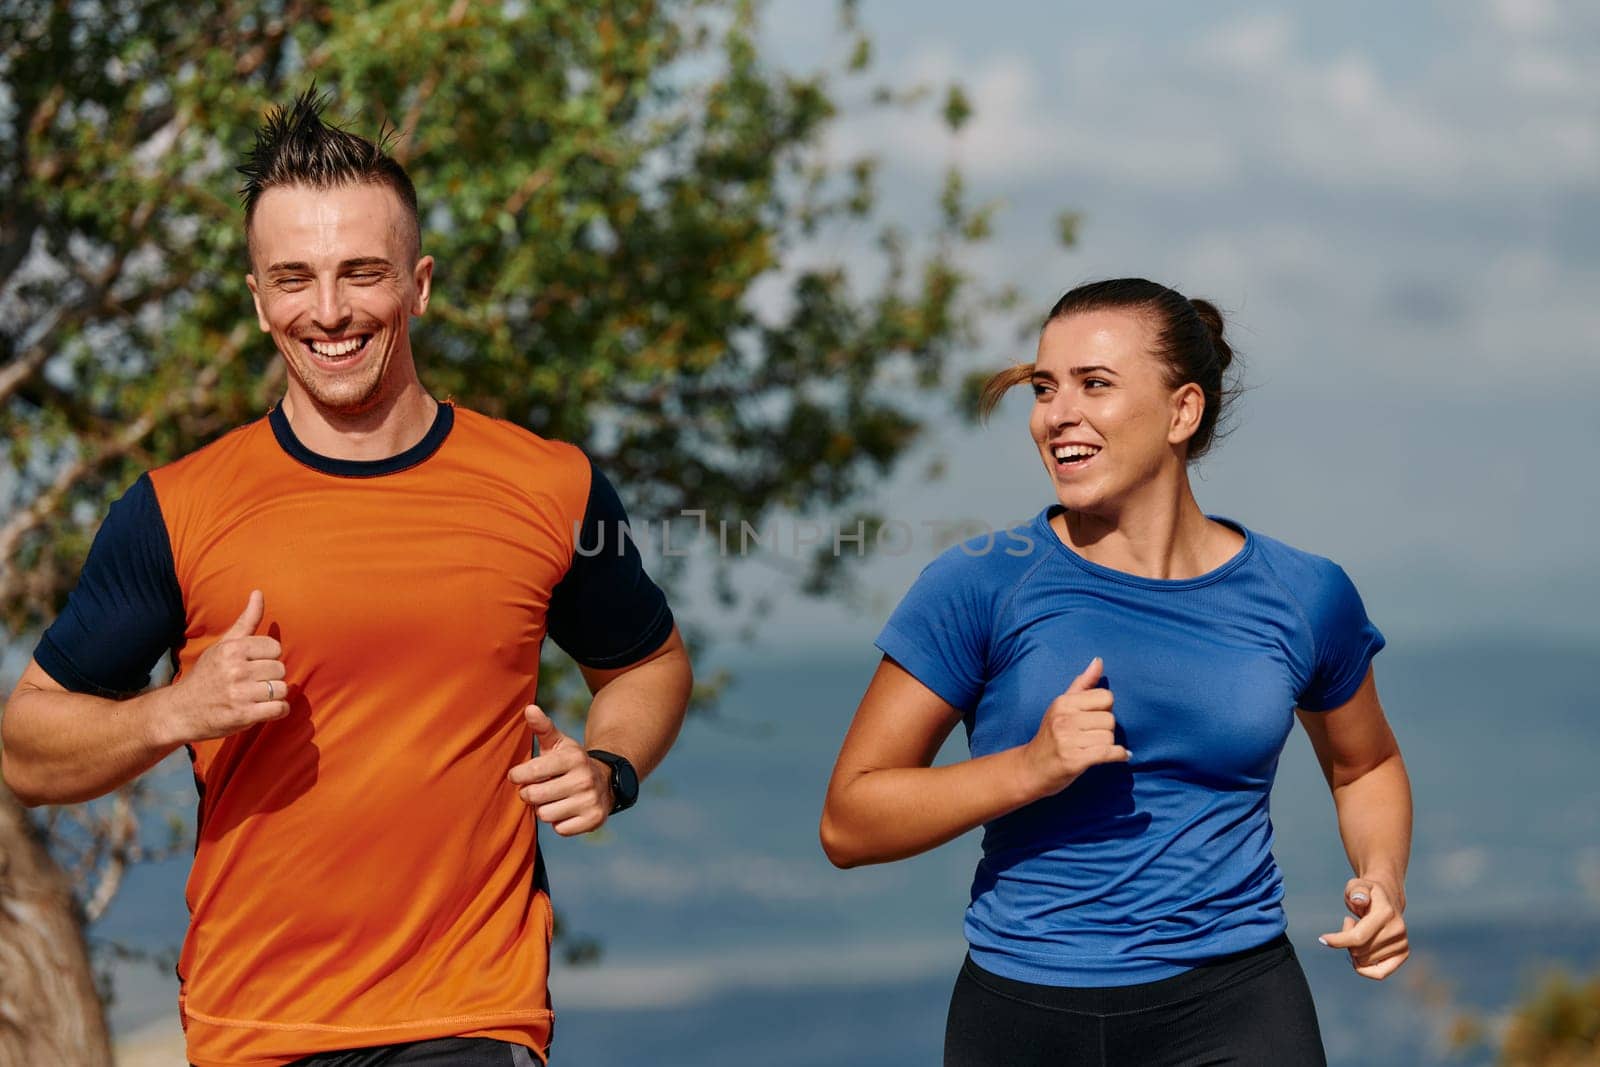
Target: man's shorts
x,y
443,1052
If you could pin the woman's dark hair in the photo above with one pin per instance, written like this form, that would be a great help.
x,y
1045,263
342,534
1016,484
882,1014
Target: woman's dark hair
x,y
294,146
1188,341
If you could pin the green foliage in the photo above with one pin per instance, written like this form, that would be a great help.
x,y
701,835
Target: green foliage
x,y
957,108
1556,1025
1559,1026
1067,223
624,201
603,188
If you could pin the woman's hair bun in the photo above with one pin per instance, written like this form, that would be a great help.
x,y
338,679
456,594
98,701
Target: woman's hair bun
x,y
1214,326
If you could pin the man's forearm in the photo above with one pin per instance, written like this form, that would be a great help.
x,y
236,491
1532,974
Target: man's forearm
x,y
637,714
1375,823
63,748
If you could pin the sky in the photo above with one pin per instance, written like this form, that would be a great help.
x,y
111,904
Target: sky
x,y
1397,207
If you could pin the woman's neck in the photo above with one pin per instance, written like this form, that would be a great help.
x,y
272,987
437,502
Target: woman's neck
x,y
1162,535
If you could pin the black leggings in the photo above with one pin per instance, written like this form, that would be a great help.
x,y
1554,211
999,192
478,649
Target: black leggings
x,y
1250,1009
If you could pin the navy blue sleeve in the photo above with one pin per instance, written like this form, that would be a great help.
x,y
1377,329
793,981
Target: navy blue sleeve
x,y
127,609
606,612
1346,640
940,631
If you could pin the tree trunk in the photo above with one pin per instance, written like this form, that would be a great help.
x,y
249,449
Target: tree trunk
x,y
50,1012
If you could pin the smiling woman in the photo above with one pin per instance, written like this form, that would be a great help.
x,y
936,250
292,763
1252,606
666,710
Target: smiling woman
x,y
1127,909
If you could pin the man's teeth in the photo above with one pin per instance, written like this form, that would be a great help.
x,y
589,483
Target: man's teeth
x,y
336,348
1071,452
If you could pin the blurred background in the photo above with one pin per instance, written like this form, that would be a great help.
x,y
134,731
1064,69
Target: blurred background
x,y
831,218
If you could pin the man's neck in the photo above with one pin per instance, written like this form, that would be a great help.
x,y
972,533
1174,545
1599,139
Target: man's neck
x,y
386,429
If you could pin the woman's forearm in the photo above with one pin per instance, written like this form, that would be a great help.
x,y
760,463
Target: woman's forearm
x,y
889,814
1375,823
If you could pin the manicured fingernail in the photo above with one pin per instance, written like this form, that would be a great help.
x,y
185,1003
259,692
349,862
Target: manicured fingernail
x,y
1358,898
1323,942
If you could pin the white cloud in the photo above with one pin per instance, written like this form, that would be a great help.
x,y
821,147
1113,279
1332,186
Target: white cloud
x,y
684,980
687,877
1251,98
1027,125
1256,42
1523,16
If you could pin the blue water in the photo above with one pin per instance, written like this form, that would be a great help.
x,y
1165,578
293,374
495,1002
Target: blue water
x,y
728,938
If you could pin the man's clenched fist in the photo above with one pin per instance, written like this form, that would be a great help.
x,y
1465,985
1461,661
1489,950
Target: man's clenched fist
x,y
565,786
236,683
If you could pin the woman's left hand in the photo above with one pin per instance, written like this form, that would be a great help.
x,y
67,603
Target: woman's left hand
x,y
1377,937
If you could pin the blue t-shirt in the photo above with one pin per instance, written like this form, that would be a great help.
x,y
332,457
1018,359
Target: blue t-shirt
x,y
1136,871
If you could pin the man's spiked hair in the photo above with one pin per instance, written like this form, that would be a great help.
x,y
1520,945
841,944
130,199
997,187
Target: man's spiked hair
x,y
294,146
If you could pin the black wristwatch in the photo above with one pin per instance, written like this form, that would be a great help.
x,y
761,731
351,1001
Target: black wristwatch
x,y
624,780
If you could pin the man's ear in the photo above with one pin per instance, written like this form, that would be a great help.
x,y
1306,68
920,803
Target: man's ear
x,y
422,278
255,295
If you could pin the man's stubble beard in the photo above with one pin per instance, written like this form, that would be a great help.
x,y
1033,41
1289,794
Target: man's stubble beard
x,y
341,396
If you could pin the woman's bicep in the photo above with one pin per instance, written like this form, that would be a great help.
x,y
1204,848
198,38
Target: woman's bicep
x,y
1353,738
899,723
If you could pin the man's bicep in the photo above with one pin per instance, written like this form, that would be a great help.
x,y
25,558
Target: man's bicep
x,y
597,677
126,610
36,678
606,613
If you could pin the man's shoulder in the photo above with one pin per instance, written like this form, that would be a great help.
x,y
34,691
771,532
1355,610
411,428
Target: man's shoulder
x,y
479,431
239,446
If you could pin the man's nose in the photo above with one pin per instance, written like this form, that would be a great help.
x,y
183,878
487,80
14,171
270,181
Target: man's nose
x,y
333,310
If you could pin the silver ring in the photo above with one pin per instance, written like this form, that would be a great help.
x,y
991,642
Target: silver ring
x,y
270,690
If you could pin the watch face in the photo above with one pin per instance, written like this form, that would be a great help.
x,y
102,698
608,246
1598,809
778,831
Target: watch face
x,y
624,780
625,783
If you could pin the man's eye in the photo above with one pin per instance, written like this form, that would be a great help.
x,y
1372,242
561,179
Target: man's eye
x,y
293,283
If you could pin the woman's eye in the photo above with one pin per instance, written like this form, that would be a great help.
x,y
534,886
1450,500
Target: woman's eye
x,y
1040,389
1090,383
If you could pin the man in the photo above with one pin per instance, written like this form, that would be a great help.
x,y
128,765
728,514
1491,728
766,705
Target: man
x,y
354,591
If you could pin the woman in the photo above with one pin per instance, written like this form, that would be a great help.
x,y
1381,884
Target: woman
x,y
1127,669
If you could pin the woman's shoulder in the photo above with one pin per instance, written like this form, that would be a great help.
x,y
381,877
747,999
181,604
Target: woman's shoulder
x,y
995,557
1315,581
1301,561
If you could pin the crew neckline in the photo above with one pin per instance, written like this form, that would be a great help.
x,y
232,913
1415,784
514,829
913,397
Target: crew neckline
x,y
1042,523
443,419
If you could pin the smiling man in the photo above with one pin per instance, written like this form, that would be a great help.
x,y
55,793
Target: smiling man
x,y
354,591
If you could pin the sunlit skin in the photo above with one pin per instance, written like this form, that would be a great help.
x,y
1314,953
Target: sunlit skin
x,y
335,266
1129,506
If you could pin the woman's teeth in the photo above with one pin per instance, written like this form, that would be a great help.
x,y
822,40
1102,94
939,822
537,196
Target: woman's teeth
x,y
1073,453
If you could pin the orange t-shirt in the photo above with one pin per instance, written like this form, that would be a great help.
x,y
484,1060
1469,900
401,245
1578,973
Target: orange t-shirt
x,y
364,873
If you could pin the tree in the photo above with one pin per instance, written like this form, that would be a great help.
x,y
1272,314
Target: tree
x,y
605,186
1556,1024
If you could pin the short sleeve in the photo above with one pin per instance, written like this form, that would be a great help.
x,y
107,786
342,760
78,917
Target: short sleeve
x,y
606,612
126,610
1345,639
940,631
